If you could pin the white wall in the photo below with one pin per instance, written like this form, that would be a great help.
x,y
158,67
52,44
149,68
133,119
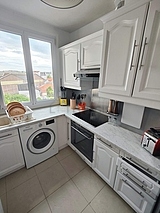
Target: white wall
x,y
86,30
26,22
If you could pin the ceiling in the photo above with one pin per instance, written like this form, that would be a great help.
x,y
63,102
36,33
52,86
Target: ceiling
x,y
68,19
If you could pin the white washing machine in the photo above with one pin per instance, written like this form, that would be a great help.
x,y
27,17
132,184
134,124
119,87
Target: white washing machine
x,y
39,141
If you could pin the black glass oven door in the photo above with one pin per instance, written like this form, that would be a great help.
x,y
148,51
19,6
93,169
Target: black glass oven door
x,y
83,140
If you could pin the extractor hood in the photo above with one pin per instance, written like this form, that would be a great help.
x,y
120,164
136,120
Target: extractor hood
x,y
87,73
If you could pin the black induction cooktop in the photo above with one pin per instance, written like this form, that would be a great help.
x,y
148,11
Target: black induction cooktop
x,y
92,117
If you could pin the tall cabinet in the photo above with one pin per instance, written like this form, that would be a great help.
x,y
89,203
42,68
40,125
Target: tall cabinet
x,y
147,84
130,66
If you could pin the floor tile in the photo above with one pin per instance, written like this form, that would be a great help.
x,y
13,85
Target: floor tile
x,y
73,164
89,183
24,197
2,186
45,164
53,178
4,202
64,153
108,201
67,199
43,207
15,179
88,209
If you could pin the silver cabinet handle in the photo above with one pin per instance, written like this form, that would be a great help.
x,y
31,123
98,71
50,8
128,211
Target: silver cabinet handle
x,y
135,45
67,130
81,133
132,187
130,175
145,43
104,142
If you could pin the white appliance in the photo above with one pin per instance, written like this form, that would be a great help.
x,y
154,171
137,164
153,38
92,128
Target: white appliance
x,y
39,141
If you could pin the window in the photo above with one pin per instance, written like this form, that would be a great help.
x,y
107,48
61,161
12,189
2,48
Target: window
x,y
27,73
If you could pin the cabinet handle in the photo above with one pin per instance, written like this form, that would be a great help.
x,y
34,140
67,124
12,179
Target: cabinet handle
x,y
68,131
104,142
135,45
78,64
132,187
145,43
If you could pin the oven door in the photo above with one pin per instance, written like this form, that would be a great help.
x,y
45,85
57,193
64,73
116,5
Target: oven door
x,y
83,140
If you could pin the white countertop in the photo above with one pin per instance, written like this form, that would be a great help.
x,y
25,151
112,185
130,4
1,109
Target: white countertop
x,y
125,140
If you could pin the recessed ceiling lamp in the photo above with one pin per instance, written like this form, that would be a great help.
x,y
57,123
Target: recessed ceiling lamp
x,y
62,4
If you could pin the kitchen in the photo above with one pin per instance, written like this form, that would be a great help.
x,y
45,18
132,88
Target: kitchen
x,y
150,116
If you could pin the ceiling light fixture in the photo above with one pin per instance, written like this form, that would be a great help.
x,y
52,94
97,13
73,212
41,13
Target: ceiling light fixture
x,y
62,4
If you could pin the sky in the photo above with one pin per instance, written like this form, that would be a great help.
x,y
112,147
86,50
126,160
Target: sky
x,y
11,53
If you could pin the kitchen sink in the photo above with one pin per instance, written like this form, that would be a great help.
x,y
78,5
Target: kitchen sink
x,y
4,121
92,117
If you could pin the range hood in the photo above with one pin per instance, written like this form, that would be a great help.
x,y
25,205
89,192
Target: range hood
x,y
87,73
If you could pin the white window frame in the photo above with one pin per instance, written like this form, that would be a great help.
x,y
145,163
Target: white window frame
x,y
25,35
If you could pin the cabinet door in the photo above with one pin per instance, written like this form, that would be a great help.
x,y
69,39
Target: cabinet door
x,y
104,162
147,84
11,157
71,64
91,52
122,40
62,131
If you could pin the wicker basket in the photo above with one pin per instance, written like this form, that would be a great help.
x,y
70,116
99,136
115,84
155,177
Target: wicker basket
x,y
21,118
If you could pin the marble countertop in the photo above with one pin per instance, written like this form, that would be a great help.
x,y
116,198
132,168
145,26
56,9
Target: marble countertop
x,y
125,140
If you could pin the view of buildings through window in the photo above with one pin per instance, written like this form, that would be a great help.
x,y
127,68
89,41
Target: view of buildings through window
x,y
14,75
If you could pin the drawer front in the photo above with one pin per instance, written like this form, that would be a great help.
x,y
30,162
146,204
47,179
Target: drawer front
x,y
149,185
133,195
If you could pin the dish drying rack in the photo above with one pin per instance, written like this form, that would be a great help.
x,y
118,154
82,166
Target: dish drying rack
x,y
27,116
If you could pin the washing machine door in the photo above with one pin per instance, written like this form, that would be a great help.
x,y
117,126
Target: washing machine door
x,y
40,141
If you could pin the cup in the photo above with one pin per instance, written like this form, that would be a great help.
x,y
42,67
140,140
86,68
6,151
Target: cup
x,y
72,103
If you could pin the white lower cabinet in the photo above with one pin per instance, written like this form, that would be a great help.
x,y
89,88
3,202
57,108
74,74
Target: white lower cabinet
x,y
104,163
11,157
63,131
133,195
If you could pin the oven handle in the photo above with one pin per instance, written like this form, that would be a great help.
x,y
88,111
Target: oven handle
x,y
81,133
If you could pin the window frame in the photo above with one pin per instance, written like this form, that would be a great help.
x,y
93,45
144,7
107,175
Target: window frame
x,y
25,35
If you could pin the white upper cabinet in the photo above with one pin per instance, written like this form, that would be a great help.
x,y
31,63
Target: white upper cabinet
x,y
122,40
147,83
91,52
82,54
71,64
130,69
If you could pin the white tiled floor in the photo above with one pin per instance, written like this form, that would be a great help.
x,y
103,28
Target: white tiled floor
x,y
63,183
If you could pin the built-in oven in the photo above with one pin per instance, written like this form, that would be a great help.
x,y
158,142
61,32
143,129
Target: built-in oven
x,y
83,140
136,186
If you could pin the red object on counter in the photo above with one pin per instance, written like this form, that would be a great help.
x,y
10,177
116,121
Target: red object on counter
x,y
82,105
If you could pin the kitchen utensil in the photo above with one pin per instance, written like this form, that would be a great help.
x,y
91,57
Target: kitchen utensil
x,y
72,103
